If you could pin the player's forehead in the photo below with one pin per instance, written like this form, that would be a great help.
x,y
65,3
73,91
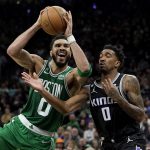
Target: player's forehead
x,y
107,51
61,41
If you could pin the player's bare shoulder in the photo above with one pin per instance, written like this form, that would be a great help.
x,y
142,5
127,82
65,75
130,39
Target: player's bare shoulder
x,y
130,82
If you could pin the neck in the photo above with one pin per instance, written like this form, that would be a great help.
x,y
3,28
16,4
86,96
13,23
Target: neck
x,y
111,75
55,69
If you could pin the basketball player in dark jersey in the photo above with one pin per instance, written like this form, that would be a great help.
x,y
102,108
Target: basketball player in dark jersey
x,y
116,103
34,128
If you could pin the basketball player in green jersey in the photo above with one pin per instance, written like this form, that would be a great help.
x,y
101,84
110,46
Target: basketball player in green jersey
x,y
34,128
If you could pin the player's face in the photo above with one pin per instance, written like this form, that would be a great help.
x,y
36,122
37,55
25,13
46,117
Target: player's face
x,y
108,61
61,52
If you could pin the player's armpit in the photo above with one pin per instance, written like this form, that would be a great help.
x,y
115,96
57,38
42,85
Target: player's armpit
x,y
38,63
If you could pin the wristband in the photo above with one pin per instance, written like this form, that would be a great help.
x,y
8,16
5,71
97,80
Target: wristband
x,y
71,39
85,74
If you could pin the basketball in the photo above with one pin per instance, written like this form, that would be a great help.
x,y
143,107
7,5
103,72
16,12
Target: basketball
x,y
52,21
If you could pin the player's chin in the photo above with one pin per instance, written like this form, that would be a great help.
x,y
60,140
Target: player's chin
x,y
102,69
61,60
61,64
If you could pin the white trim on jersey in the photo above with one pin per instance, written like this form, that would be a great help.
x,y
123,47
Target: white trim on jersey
x,y
121,87
45,63
99,86
116,78
54,75
66,85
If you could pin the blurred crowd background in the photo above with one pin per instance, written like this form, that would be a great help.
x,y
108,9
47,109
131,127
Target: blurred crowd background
x,y
124,23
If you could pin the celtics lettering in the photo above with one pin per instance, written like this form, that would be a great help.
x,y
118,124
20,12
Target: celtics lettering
x,y
54,88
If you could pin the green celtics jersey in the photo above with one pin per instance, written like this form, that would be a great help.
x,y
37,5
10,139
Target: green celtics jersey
x,y
37,110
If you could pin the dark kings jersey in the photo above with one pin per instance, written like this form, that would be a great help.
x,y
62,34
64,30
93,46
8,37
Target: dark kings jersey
x,y
110,120
37,110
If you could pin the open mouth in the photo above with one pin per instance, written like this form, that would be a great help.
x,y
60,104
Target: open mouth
x,y
61,53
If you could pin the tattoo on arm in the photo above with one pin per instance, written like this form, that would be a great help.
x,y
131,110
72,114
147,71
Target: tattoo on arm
x,y
133,91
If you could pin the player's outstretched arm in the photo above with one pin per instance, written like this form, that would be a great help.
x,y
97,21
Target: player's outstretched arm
x,y
84,69
70,105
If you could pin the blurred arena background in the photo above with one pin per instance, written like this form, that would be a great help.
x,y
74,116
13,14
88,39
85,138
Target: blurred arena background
x,y
125,23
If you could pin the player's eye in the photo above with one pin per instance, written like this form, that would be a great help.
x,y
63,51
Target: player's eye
x,y
108,55
100,56
57,45
66,45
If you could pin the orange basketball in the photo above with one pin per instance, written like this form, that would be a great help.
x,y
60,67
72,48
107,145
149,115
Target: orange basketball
x,y
52,20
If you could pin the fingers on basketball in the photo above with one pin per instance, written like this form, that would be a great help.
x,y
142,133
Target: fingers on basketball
x,y
52,20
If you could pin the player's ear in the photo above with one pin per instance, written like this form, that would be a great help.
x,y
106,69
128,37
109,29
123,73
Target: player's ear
x,y
117,64
70,52
50,53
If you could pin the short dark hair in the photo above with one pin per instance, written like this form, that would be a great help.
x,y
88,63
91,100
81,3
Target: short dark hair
x,y
60,36
118,52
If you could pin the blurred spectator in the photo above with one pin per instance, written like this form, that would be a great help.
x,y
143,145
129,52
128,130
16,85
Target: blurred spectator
x,y
83,126
5,118
95,144
146,128
82,144
59,144
89,133
73,122
72,145
60,132
75,135
67,137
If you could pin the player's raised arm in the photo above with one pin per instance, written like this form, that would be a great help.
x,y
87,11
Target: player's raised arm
x,y
83,67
